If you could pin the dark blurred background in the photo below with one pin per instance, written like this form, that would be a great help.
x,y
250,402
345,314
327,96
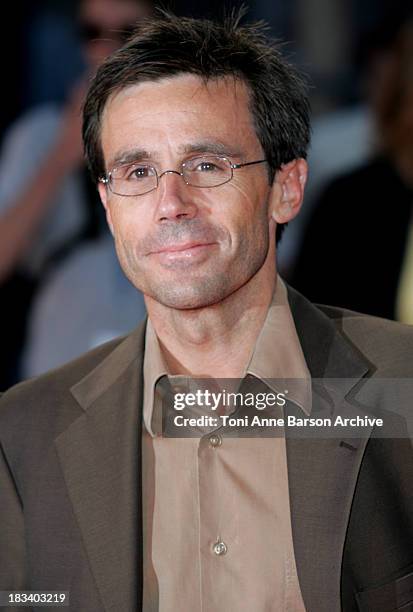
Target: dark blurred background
x,y
328,38
352,244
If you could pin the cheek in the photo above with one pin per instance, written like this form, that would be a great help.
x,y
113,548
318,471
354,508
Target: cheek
x,y
126,220
128,232
248,212
239,188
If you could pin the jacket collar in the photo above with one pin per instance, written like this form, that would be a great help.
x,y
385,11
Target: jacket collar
x,y
100,458
328,352
323,472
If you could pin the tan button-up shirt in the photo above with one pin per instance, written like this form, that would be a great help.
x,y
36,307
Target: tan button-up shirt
x,y
217,528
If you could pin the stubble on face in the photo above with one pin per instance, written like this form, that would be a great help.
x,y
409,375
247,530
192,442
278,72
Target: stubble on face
x,y
184,287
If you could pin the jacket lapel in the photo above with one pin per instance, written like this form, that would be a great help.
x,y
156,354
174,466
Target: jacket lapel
x,y
323,472
100,458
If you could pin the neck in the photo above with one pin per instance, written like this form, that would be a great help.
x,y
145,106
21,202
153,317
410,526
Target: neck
x,y
216,341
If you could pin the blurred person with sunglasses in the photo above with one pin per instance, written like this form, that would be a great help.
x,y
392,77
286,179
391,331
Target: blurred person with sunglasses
x,y
48,205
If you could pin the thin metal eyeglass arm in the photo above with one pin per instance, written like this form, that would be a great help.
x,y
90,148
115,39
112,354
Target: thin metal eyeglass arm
x,y
259,161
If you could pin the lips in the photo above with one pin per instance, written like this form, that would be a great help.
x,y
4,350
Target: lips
x,y
173,248
185,255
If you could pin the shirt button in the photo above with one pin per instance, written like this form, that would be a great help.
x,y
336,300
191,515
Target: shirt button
x,y
220,548
179,389
215,440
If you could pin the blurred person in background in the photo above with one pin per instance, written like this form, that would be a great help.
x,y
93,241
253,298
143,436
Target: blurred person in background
x,y
351,124
371,272
87,300
48,205
53,32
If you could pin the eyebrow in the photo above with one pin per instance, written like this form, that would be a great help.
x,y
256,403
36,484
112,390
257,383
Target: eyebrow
x,y
213,147
125,157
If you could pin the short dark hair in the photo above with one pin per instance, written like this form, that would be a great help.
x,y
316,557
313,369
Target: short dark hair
x,y
167,45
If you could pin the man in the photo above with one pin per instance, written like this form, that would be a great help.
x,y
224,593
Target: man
x,y
196,134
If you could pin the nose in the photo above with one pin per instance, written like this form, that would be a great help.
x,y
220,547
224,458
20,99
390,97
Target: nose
x,y
175,200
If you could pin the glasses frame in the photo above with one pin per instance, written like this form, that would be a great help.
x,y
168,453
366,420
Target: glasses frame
x,y
107,179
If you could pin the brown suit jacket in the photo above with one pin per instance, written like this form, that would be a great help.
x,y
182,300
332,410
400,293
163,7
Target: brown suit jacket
x,y
70,474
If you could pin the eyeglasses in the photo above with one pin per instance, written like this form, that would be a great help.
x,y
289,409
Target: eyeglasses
x,y
135,179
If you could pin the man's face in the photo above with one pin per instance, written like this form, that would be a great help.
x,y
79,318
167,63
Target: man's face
x,y
187,247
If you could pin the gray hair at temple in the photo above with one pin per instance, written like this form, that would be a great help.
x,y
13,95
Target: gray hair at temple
x,y
166,45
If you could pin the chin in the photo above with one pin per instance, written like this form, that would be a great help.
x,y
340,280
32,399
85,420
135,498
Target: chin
x,y
195,296
182,302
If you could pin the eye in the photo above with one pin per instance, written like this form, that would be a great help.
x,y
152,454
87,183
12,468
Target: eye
x,y
139,173
205,166
208,165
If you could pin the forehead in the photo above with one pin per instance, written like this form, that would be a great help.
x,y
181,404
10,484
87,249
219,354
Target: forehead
x,y
172,113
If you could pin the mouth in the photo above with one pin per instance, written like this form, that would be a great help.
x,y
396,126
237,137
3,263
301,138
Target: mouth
x,y
187,253
178,248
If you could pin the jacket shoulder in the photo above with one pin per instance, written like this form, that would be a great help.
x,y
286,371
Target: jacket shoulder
x,y
53,386
386,344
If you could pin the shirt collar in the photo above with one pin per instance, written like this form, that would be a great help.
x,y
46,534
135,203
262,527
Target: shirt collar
x,y
154,369
277,358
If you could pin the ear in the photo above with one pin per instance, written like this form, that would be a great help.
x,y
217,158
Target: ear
x,y
288,191
103,192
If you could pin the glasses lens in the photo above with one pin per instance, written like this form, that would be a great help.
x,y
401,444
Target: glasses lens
x,y
207,171
133,179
